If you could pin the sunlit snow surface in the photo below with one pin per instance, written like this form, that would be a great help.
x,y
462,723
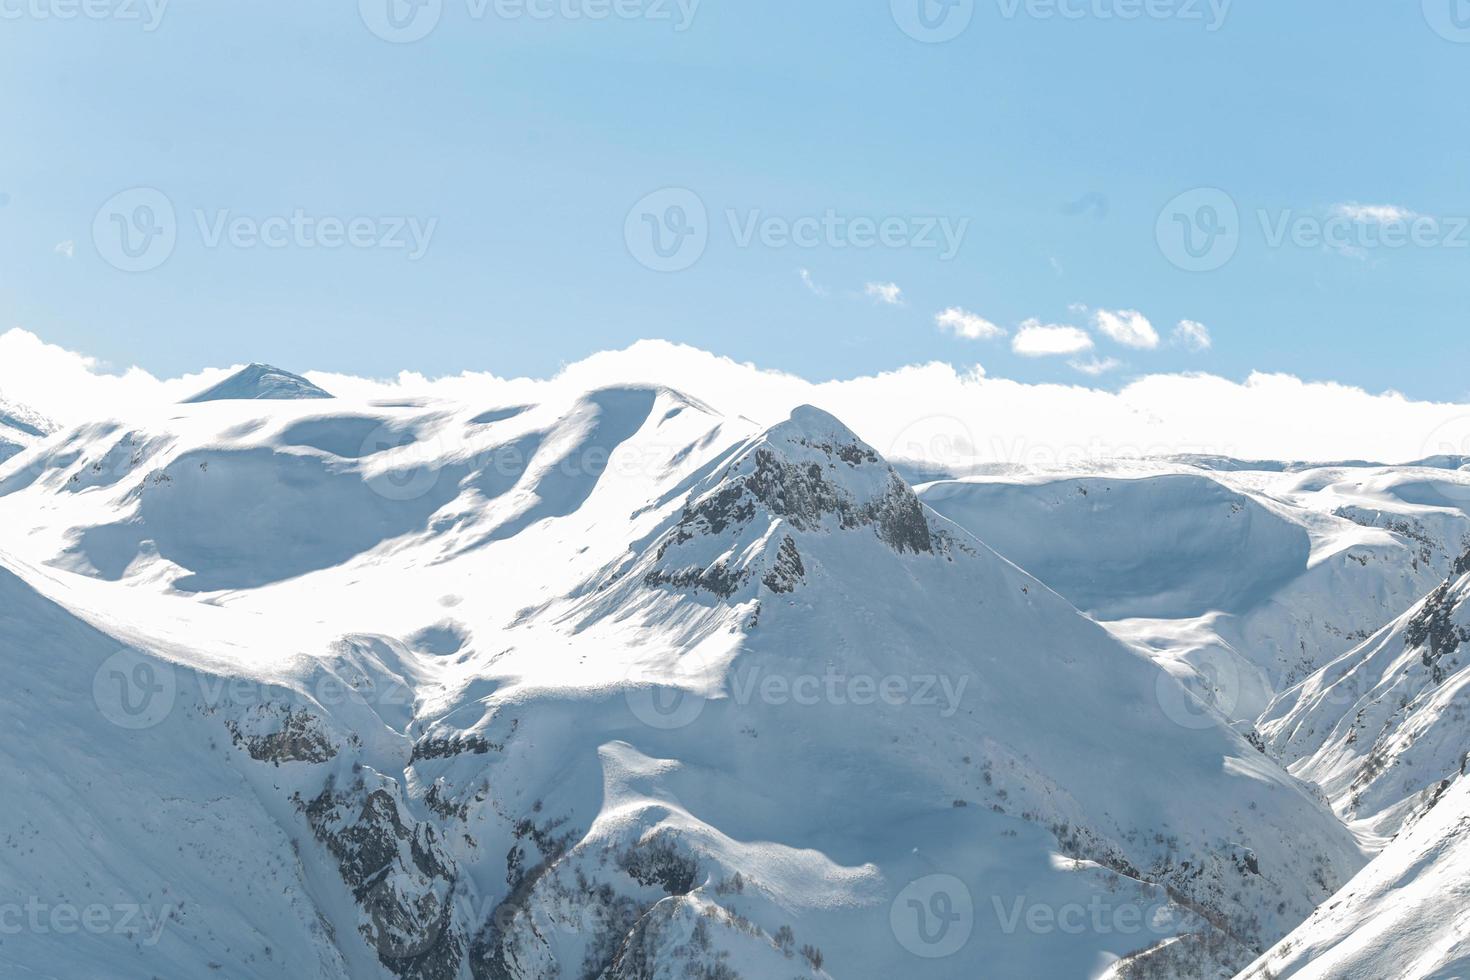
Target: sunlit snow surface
x,y
614,683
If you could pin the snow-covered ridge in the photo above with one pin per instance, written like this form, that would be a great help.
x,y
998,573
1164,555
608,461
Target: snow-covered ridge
x,y
617,685
1381,729
1406,915
810,474
535,809
20,428
1252,580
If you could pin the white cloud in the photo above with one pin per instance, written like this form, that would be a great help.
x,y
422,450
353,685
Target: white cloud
x,y
1037,339
71,388
806,278
885,292
908,414
67,248
969,326
1374,214
1127,327
1096,366
1193,335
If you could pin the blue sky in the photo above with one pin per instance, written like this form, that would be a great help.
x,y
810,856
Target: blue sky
x,y
471,199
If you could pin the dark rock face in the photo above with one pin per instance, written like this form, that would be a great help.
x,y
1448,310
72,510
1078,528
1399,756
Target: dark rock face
x,y
400,877
787,572
804,494
638,959
1434,630
812,484
660,862
496,952
717,579
448,747
292,735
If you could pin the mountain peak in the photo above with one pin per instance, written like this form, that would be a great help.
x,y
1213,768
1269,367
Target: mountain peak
x,y
809,475
260,382
809,420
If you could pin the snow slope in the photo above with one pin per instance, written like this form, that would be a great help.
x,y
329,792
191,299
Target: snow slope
x,y
1382,729
1406,916
605,683
1246,580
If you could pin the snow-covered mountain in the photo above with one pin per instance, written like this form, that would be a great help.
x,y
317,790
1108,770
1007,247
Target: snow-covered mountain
x,y
1406,915
1247,581
20,428
1222,575
1383,729
1382,732
260,381
612,684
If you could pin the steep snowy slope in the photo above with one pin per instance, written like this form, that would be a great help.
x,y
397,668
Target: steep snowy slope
x,y
1407,915
605,685
133,847
1382,729
1249,579
260,381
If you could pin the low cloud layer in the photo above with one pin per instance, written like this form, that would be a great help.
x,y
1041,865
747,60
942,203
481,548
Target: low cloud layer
x,y
928,413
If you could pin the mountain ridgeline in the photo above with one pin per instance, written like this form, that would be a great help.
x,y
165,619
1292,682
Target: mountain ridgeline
x,y
609,683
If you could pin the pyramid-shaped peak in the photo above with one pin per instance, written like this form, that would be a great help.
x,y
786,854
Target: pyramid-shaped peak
x,y
818,431
809,474
260,382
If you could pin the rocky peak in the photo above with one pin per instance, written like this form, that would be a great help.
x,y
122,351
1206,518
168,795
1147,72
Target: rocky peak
x,y
809,474
814,473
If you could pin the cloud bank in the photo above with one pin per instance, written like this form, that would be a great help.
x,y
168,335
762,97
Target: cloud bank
x,y
929,413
